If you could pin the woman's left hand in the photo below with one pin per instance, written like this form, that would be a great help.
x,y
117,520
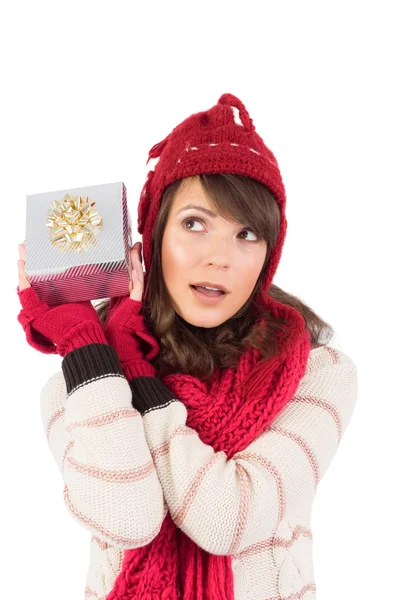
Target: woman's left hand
x,y
137,277
125,327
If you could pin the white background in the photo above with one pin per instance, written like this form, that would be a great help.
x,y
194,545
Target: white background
x,y
88,88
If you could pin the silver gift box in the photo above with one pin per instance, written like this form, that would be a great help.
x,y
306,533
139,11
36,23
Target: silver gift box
x,y
78,243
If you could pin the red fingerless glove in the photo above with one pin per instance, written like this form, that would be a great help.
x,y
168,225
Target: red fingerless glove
x,y
58,329
126,331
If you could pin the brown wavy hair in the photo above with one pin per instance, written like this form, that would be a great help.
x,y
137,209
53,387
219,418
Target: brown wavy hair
x,y
185,348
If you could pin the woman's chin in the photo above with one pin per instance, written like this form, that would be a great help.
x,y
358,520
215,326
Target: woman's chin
x,y
201,321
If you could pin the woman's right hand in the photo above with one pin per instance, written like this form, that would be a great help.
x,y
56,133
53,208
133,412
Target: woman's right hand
x,y
23,280
56,329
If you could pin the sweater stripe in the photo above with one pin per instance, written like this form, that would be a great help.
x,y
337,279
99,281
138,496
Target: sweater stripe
x,y
82,518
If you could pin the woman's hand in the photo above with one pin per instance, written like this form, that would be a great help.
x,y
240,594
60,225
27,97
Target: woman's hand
x,y
137,280
136,283
57,329
125,327
23,282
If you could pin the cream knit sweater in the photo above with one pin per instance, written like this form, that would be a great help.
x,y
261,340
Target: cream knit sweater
x,y
123,469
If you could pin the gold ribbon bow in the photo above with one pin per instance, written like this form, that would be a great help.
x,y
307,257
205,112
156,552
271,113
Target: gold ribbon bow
x,y
73,223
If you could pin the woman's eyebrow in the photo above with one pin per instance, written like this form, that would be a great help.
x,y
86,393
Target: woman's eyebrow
x,y
201,208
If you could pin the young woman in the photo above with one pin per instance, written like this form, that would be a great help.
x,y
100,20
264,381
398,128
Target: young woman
x,y
193,419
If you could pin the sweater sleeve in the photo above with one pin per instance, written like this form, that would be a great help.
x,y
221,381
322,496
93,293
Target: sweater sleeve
x,y
227,506
97,439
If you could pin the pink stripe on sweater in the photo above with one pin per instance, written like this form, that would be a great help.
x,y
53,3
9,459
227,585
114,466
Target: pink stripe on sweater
x,y
116,476
334,354
244,506
180,515
89,593
298,530
273,541
132,542
53,419
106,418
163,449
314,401
67,449
270,468
307,450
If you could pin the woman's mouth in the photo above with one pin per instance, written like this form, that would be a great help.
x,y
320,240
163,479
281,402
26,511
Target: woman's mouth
x,y
207,296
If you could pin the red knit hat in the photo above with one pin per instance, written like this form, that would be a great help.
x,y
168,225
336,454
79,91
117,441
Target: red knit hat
x,y
222,139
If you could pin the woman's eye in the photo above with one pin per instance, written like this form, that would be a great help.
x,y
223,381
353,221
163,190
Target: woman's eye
x,y
190,220
199,221
247,240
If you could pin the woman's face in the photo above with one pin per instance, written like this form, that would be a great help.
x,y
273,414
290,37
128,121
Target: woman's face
x,y
207,249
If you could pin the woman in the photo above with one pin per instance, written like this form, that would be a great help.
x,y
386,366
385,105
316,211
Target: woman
x,y
192,427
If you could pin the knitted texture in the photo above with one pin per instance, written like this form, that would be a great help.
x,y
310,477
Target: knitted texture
x,y
126,331
58,329
214,141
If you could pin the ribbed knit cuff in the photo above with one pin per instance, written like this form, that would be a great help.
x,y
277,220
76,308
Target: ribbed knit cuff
x,y
138,368
148,393
90,362
87,332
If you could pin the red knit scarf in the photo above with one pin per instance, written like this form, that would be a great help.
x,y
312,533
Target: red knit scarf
x,y
172,566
